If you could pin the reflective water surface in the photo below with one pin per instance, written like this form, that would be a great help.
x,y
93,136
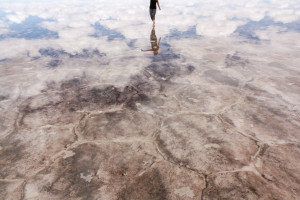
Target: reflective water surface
x,y
96,103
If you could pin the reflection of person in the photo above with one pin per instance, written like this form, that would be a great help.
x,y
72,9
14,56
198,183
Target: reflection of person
x,y
153,40
152,9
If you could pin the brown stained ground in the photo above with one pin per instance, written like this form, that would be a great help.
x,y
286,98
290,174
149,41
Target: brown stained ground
x,y
12,189
278,175
205,144
241,185
174,132
117,124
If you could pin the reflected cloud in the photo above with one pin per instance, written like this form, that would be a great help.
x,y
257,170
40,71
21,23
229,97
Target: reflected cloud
x,y
103,31
77,25
214,28
53,53
176,34
29,29
16,18
248,30
211,18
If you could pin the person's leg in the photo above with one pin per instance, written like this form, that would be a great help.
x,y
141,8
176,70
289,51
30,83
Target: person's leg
x,y
154,12
150,12
152,15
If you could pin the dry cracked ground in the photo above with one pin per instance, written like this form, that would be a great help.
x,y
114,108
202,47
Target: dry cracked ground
x,y
175,129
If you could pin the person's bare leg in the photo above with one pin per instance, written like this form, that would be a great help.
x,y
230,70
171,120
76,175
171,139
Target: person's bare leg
x,y
153,22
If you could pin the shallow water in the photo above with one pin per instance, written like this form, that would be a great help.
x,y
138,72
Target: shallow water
x,y
96,103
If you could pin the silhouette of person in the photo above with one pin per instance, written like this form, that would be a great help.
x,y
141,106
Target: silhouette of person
x,y
152,10
153,41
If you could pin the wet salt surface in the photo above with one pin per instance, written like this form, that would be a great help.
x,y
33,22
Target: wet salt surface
x,y
85,114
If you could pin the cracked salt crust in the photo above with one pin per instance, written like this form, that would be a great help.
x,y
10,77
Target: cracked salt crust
x,y
212,146
203,132
184,192
32,191
68,154
103,175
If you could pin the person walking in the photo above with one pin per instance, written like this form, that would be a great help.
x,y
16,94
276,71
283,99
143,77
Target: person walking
x,y
152,10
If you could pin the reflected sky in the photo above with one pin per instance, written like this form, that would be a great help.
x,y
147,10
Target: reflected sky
x,y
116,30
71,20
118,20
29,29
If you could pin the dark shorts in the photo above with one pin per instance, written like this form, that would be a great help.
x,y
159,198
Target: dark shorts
x,y
152,13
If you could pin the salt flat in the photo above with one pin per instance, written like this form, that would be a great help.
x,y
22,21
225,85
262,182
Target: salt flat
x,y
85,114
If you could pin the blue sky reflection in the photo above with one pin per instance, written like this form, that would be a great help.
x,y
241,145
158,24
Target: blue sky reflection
x,y
29,29
77,25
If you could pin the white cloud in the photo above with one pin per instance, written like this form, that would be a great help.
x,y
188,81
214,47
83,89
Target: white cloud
x,y
18,18
3,28
280,38
2,24
284,15
75,34
4,31
220,28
